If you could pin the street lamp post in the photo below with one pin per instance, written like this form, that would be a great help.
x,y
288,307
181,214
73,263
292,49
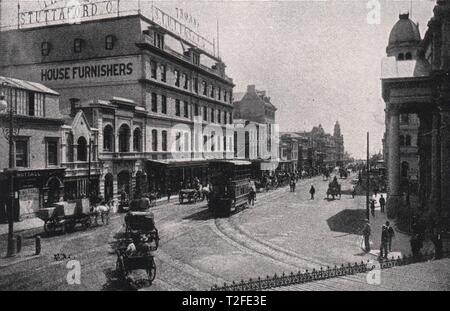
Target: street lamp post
x,y
9,133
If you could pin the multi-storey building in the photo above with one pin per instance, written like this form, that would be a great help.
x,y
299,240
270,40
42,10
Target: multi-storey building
x,y
55,155
159,108
256,136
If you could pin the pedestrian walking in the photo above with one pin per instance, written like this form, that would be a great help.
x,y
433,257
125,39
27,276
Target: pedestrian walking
x,y
384,242
366,235
391,234
382,203
353,191
372,208
169,193
312,191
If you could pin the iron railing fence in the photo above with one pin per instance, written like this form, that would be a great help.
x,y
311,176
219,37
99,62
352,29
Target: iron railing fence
x,y
321,274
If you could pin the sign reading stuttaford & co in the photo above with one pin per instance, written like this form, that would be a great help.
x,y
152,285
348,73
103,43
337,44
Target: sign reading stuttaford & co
x,y
73,11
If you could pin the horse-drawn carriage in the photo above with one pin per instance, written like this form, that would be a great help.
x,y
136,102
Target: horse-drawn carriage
x,y
230,186
189,195
334,189
138,224
66,216
139,260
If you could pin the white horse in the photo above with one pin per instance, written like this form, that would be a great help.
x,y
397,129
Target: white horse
x,y
102,211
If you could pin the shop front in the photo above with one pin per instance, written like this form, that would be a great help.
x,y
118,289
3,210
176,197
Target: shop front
x,y
33,189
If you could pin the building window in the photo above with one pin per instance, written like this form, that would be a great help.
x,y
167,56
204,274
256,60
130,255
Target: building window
x,y
137,140
163,104
205,88
186,109
45,48
225,95
164,140
401,56
205,142
154,102
77,43
195,82
224,117
177,78
219,116
219,91
408,140
401,140
52,152
196,111
212,115
163,73
153,69
177,108
109,42
81,149
196,59
178,141
154,140
213,147
21,152
224,143
408,56
212,91
205,114
404,118
159,40
108,138
69,147
124,138
186,81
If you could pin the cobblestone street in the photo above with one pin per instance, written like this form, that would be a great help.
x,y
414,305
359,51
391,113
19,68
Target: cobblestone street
x,y
283,232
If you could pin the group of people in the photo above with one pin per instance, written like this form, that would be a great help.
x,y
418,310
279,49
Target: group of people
x,y
387,234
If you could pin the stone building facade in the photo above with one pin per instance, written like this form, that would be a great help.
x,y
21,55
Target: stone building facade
x,y
421,86
161,105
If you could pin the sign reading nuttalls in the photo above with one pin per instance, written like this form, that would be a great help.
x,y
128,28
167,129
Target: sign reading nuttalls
x,y
73,11
104,70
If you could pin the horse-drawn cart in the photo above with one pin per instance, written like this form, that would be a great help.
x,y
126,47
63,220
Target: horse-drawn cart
x,y
65,216
334,189
141,223
126,263
190,195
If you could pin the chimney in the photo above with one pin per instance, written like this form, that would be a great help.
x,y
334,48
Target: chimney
x,y
251,88
73,106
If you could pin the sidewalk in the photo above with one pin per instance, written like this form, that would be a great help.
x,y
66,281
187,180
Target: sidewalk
x,y
26,224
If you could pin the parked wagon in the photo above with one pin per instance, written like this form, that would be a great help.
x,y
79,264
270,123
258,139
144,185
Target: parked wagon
x,y
66,216
189,195
141,223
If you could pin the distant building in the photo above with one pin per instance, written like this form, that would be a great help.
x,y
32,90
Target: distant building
x,y
256,134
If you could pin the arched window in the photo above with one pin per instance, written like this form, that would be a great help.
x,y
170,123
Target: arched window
x,y
124,138
154,140
108,138
164,140
408,56
408,140
137,140
81,149
402,140
401,57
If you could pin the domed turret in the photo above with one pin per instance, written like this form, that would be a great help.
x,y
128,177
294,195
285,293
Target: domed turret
x,y
404,39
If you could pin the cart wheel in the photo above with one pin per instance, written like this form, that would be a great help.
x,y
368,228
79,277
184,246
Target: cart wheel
x,y
152,271
87,222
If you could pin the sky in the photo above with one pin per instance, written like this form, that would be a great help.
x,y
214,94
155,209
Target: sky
x,y
319,61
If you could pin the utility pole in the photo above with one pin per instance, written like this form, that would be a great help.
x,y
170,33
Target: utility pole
x,y
367,180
